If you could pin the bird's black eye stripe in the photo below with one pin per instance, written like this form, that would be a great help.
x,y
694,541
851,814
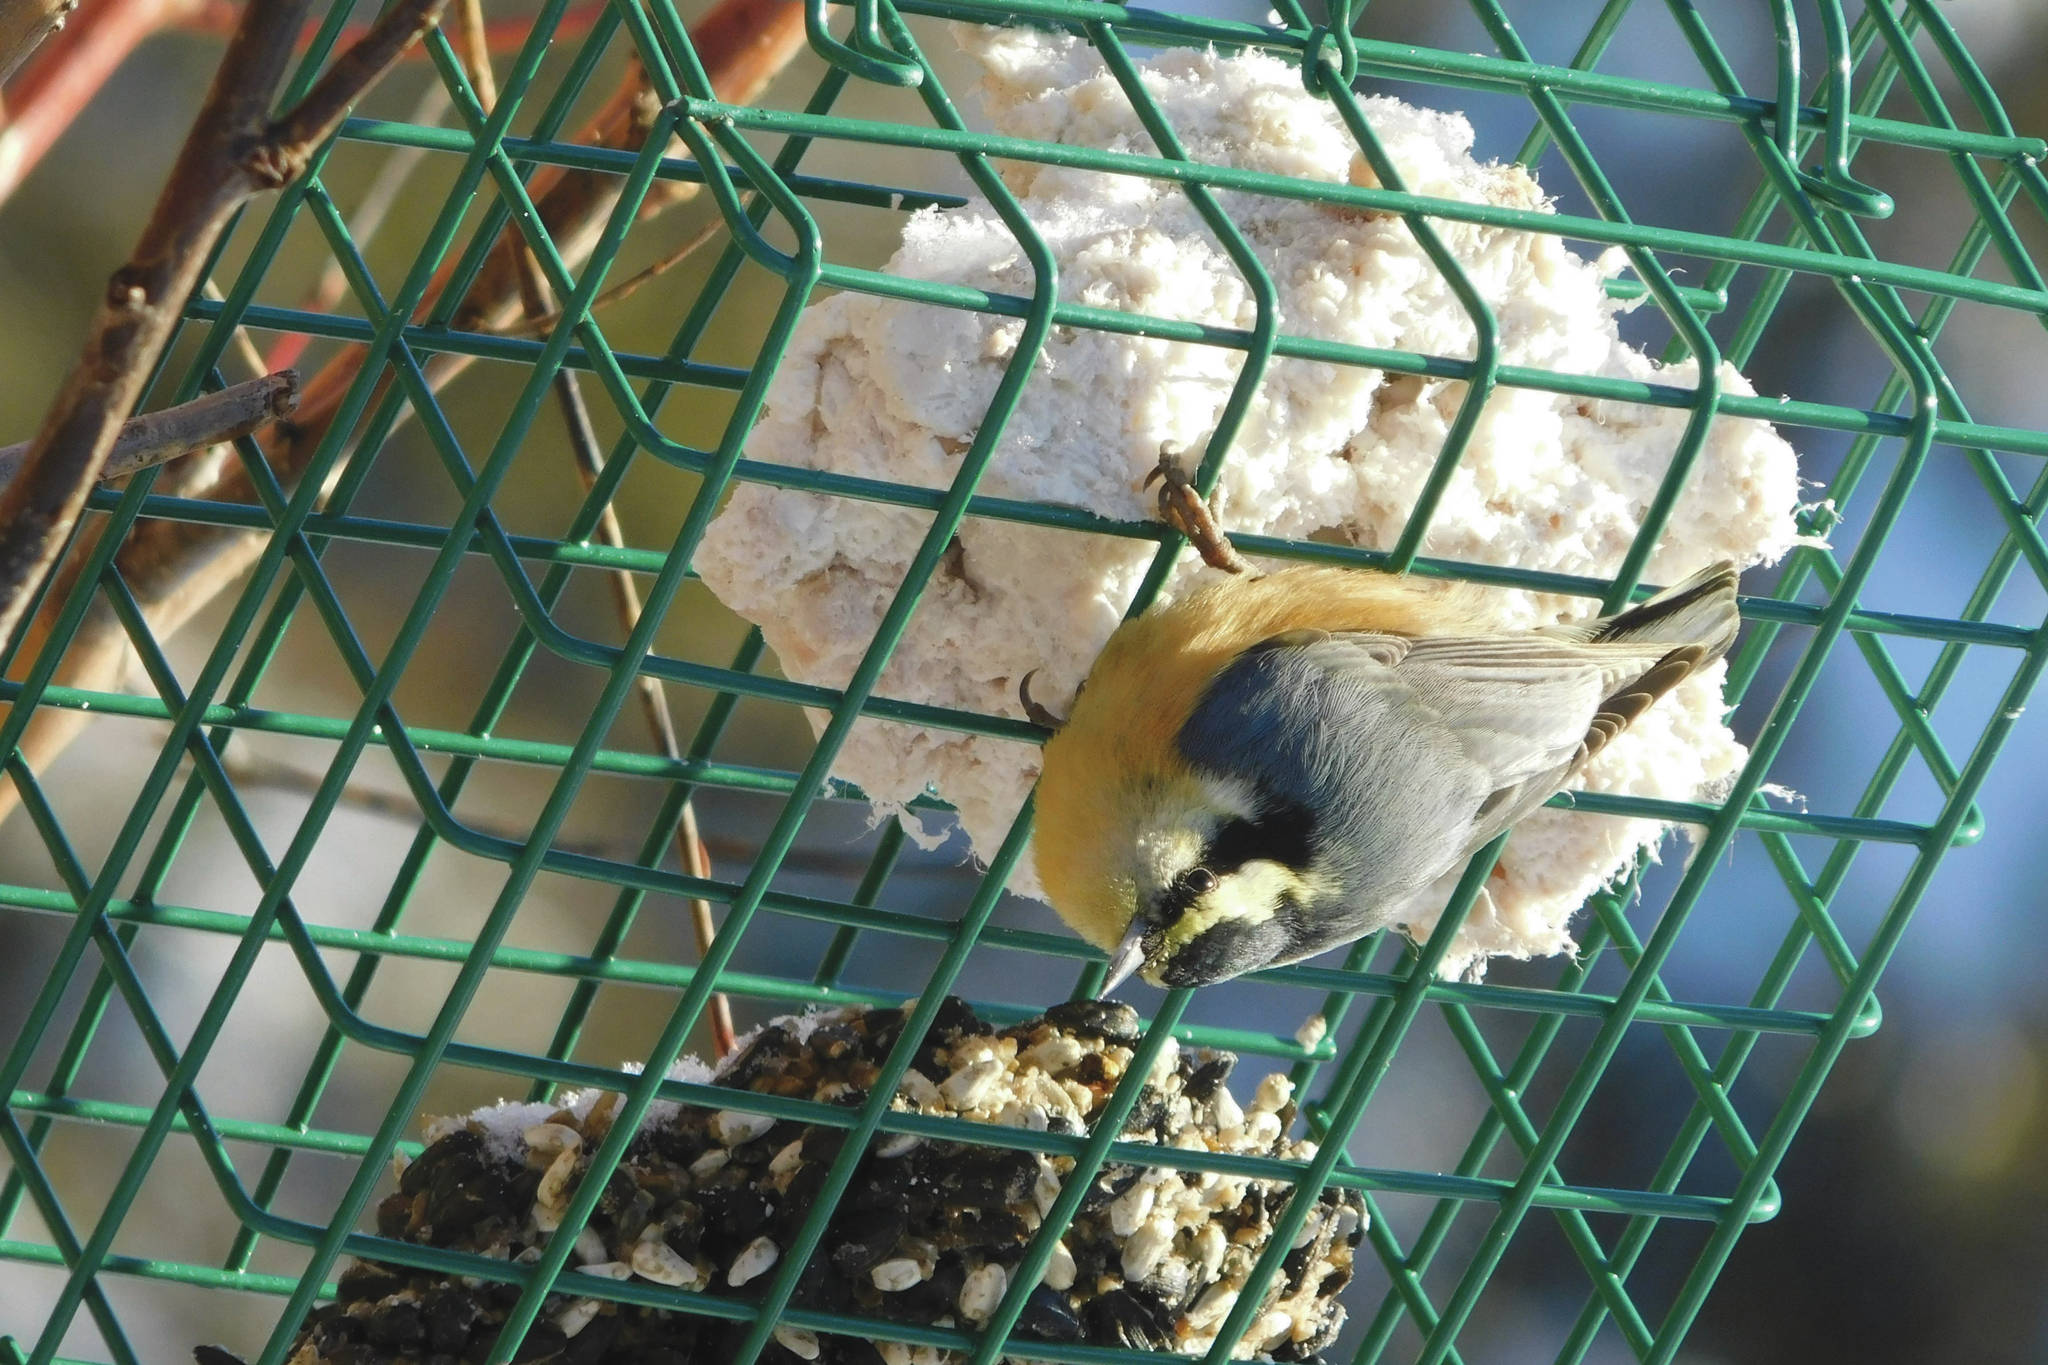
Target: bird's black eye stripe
x,y
1187,888
1283,833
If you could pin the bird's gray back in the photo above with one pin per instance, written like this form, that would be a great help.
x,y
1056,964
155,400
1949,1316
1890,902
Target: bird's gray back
x,y
1332,729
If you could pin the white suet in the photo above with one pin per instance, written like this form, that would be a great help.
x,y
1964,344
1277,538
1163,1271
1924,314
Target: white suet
x,y
893,390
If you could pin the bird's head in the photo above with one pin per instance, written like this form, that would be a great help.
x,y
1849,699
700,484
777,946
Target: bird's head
x,y
1221,880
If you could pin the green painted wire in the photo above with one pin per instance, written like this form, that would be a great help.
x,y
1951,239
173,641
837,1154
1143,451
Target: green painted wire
x,y
130,836
1371,1055
973,462
1833,185
106,919
524,409
168,842
1607,1284
1679,240
1467,1284
1752,1186
327,1057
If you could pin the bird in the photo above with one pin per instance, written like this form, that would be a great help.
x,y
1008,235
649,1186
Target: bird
x,y
1273,765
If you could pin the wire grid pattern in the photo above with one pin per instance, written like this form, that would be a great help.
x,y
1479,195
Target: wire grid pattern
x,y
1799,221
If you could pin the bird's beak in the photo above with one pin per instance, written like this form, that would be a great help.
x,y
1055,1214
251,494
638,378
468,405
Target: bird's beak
x,y
1128,957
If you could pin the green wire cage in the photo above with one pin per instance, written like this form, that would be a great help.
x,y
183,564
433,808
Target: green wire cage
x,y
148,1171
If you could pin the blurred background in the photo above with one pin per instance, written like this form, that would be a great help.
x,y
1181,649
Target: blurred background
x,y
1916,1191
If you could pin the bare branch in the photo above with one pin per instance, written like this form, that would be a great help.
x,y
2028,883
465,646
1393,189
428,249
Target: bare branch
x,y
282,153
582,436
653,695
633,284
23,26
473,46
500,35
175,568
205,421
363,226
232,152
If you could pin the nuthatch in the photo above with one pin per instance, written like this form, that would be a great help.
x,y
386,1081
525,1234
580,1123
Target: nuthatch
x,y
1273,765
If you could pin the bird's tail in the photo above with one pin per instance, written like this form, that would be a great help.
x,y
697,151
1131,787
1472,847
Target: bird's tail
x,y
1699,611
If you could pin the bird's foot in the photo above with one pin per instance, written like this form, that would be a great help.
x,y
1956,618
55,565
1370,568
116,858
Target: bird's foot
x,y
1185,510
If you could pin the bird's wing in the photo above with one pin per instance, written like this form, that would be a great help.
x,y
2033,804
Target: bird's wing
x,y
1532,708
1379,734
1525,708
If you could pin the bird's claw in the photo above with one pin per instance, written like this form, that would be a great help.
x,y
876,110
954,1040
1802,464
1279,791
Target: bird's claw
x,y
1187,512
1033,711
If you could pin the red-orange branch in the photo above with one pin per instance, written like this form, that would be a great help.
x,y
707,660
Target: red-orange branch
x,y
500,35
70,69
174,567
67,72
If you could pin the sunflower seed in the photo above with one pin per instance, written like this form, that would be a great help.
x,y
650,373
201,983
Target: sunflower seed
x,y
1214,1306
1129,1210
919,1090
576,1316
896,1144
964,1088
788,1159
1055,1054
798,1342
731,1127
1270,1330
553,1137
1167,1063
1210,1244
759,1255
1059,1270
1045,1188
654,1259
983,1291
1145,1249
896,1275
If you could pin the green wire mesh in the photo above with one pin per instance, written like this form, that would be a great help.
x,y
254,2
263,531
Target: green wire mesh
x,y
293,1174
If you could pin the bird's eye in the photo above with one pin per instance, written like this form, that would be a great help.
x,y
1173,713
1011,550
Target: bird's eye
x,y
1198,881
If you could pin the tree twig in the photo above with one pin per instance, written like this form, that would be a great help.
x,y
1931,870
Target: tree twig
x,y
207,420
364,224
234,151
633,284
500,35
652,693
473,47
582,437
68,73
23,26
244,347
175,568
